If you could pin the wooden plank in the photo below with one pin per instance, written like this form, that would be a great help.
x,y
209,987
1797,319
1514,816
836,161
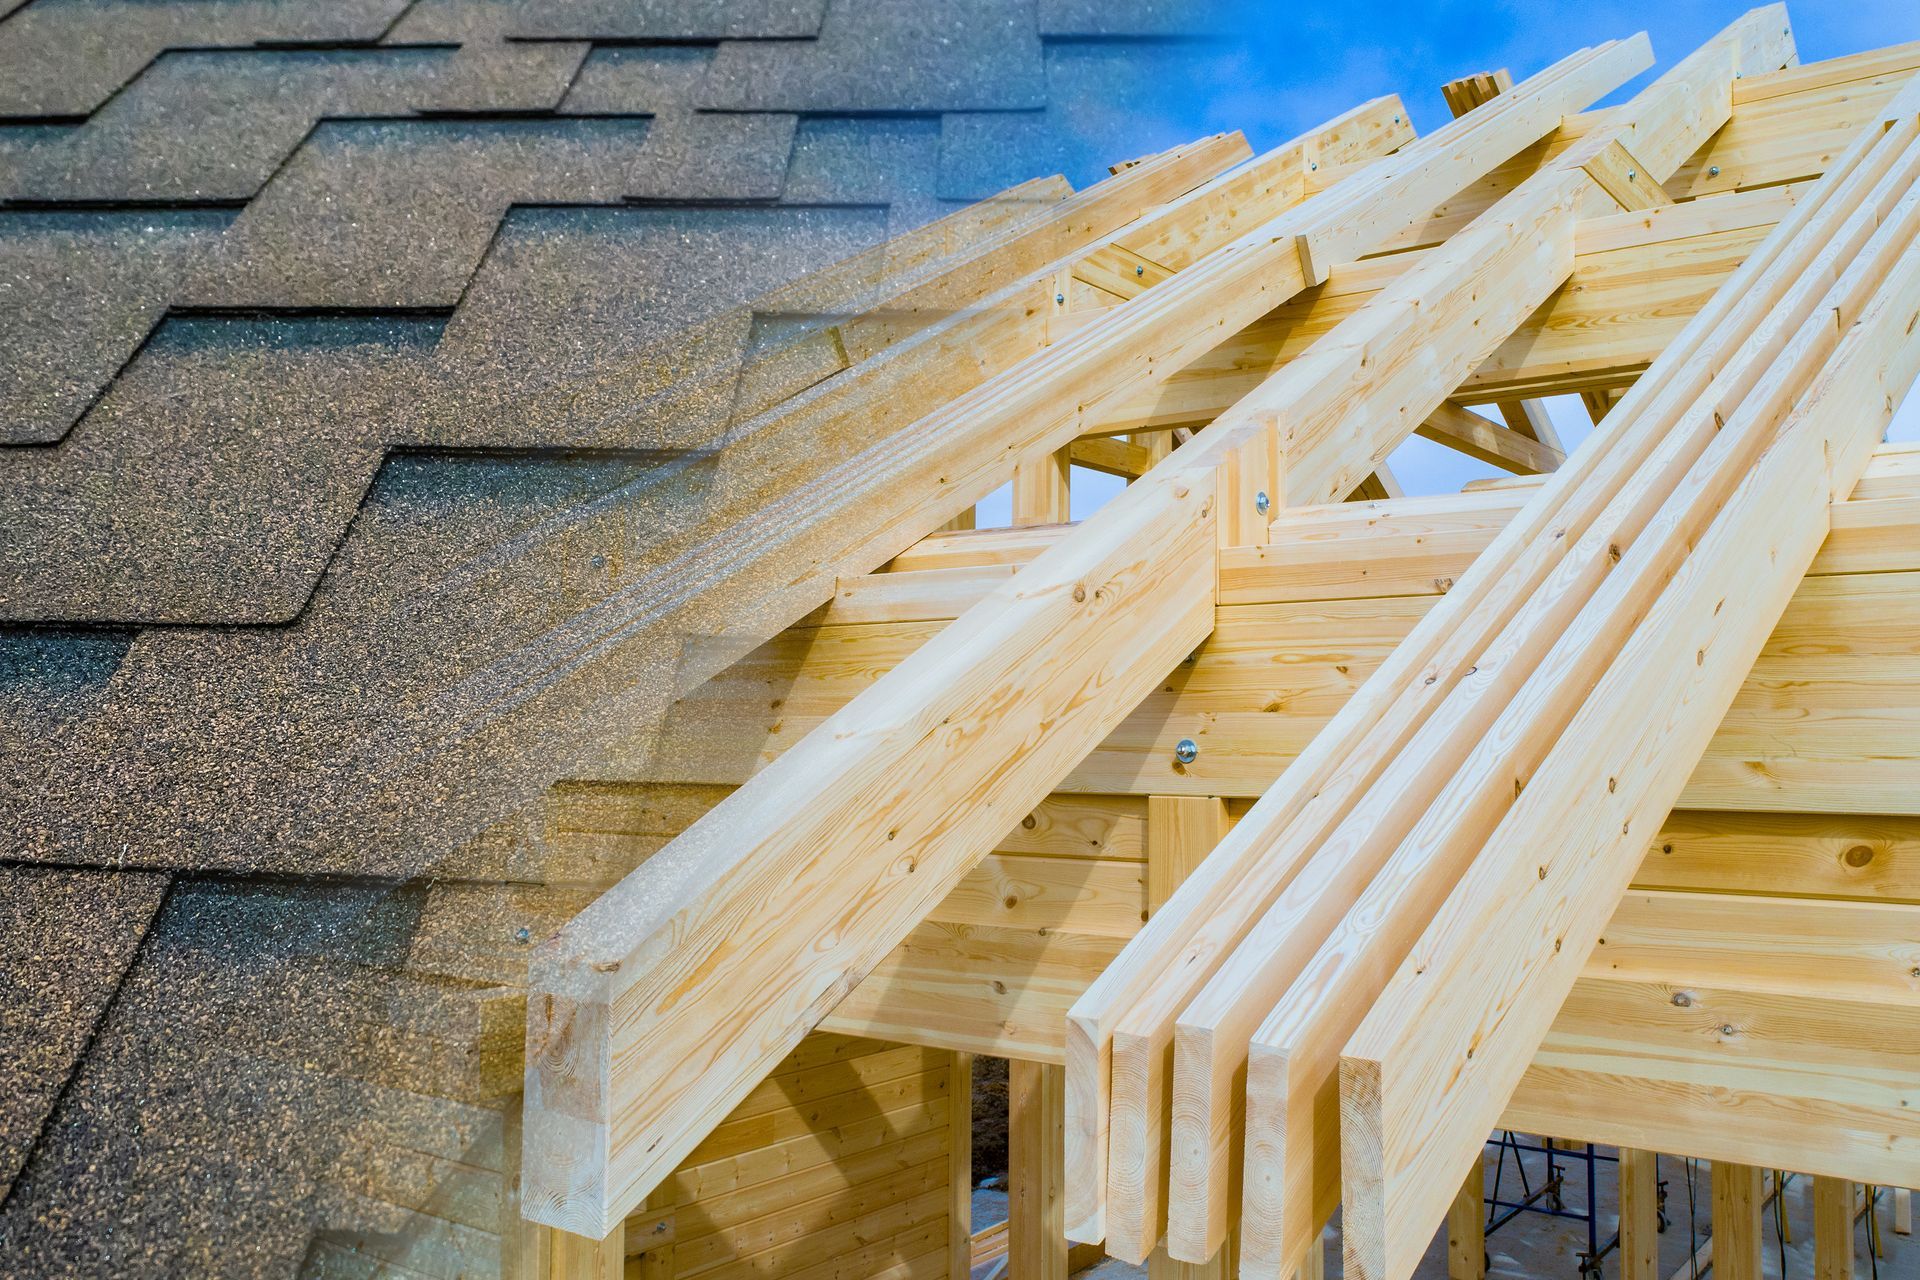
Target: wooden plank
x,y
881,1126
1160,571
1736,1194
1036,1199
1639,750
1639,1200
1862,950
1477,437
1714,1121
1070,895
1003,992
1637,280
1820,1045
1027,246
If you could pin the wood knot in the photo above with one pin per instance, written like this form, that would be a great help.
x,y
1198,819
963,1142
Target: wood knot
x,y
1858,856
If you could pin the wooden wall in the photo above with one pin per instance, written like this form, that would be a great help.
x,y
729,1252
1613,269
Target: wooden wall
x,y
837,1165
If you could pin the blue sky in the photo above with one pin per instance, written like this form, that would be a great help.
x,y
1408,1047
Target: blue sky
x,y
1291,66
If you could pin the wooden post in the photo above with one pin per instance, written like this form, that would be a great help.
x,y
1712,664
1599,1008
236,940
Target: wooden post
x,y
1036,1159
1639,1215
1903,1211
1466,1227
1736,1221
584,1258
1040,488
960,1167
1832,1229
1181,832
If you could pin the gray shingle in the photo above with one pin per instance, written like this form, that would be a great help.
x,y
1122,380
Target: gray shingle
x,y
199,126
66,937
66,57
399,213
78,294
889,55
670,19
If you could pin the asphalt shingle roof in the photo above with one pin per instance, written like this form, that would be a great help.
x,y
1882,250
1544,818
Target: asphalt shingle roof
x,y
345,347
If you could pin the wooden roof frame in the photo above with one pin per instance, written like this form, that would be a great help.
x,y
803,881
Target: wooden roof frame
x,y
1379,948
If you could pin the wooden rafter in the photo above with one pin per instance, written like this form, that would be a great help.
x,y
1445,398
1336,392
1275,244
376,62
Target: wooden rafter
x,y
1799,424
1120,1034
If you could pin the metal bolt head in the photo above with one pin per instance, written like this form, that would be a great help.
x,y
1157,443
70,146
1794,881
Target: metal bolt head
x,y
1631,175
1261,502
1186,751
1139,271
1713,171
522,934
1060,299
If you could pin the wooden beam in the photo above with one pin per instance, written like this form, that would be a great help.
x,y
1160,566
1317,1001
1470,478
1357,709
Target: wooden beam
x,y
1036,1197
1800,425
1639,1214
1115,457
1528,417
1380,485
1736,1195
1477,437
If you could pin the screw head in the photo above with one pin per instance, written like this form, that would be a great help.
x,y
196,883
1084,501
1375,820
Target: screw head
x,y
1631,175
1186,751
1139,271
1713,171
1261,502
522,934
1060,299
